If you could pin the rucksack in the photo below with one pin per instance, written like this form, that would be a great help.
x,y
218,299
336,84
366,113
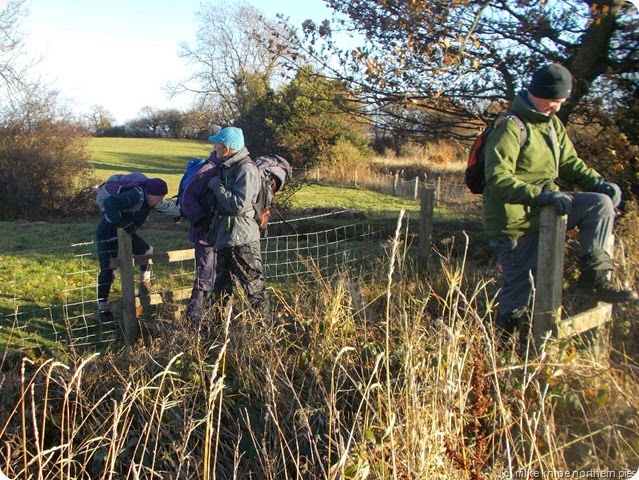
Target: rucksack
x,y
275,171
191,169
474,175
119,182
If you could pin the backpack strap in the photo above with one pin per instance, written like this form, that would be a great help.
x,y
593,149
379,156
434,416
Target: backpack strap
x,y
523,131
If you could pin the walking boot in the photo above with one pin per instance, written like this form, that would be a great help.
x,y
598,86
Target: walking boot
x,y
596,284
514,326
145,288
194,311
105,319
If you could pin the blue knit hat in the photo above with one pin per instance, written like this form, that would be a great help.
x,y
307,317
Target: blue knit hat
x,y
232,137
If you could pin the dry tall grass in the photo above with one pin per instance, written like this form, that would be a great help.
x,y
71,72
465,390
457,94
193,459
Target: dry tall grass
x,y
392,374
443,160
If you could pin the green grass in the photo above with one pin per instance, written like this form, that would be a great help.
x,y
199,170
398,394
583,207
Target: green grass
x,y
165,158
55,263
311,196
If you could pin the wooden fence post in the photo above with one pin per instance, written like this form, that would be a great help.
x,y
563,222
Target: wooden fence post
x,y
127,281
395,181
550,273
439,189
425,224
416,191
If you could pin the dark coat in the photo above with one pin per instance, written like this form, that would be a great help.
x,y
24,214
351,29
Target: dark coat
x,y
236,190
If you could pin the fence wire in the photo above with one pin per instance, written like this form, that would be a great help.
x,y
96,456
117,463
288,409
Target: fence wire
x,y
59,305
446,193
54,306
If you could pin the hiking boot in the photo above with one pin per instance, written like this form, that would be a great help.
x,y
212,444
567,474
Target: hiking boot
x,y
105,319
513,325
606,292
145,288
596,285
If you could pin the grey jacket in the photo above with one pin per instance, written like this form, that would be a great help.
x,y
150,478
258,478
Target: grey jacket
x,y
235,191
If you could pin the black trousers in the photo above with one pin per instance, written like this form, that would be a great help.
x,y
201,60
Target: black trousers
x,y
242,263
106,236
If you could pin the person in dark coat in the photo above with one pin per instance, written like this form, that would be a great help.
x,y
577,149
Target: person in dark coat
x,y
128,209
234,233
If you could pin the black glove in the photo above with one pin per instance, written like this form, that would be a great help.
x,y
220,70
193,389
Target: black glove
x,y
608,188
130,228
561,201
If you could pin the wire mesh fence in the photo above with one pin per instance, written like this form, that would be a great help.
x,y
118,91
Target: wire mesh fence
x,y
58,302
55,305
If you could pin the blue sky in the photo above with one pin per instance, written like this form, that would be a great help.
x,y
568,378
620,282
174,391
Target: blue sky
x,y
121,53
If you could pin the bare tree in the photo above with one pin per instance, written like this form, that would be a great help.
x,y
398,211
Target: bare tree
x,y
99,118
234,42
13,65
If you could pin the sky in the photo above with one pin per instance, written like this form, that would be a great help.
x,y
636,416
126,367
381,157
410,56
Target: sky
x,y
120,54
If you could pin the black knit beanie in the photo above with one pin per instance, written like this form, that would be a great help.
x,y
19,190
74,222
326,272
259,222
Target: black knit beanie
x,y
553,81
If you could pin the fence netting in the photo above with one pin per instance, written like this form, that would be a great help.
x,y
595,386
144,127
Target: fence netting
x,y
59,305
55,306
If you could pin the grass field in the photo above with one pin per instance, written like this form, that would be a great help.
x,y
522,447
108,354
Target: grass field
x,y
154,157
45,263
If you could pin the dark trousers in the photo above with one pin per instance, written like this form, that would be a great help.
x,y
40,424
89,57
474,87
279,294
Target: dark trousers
x,y
205,262
106,235
242,263
592,214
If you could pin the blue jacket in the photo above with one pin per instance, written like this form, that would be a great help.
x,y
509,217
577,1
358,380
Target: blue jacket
x,y
129,210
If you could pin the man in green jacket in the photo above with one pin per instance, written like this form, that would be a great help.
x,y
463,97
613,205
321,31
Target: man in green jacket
x,y
521,180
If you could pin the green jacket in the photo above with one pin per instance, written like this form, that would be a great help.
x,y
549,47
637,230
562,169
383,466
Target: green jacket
x,y
515,177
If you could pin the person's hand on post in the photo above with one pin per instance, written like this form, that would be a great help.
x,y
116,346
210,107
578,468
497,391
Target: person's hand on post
x,y
561,201
130,228
608,188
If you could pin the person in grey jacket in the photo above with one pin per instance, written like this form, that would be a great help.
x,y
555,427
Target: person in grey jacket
x,y
234,233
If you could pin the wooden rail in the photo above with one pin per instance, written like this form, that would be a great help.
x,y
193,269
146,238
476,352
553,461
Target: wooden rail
x,y
549,282
131,305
